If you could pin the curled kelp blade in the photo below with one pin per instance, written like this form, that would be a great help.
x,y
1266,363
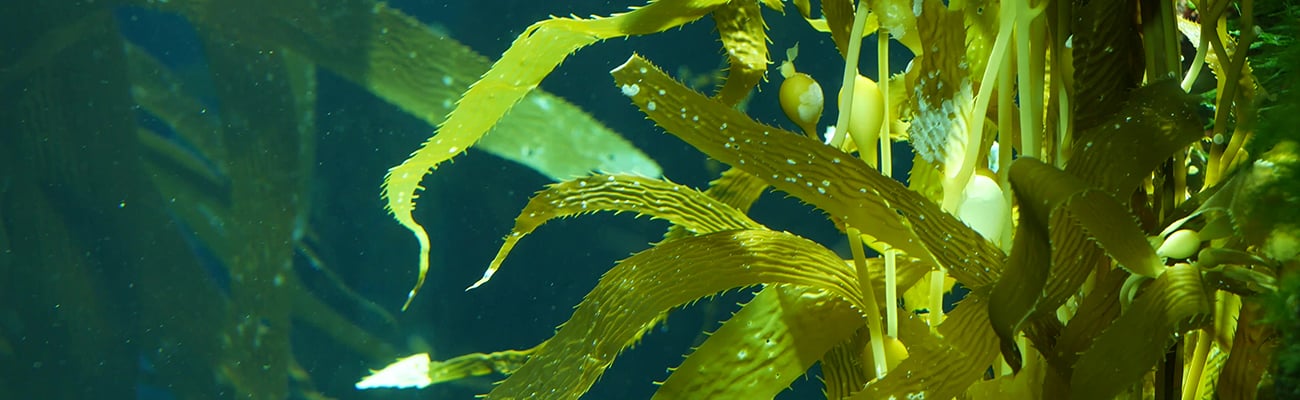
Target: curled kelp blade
x,y
637,293
744,37
1051,191
532,56
683,206
774,339
1052,200
841,185
1114,157
1174,303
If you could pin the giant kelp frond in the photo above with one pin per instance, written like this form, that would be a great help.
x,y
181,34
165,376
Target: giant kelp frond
x,y
532,56
636,293
843,186
680,205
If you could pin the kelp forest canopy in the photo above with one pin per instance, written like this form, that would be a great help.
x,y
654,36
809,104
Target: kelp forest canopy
x,y
1088,199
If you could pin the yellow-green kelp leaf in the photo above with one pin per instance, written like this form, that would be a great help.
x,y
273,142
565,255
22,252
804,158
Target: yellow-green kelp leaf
x,y
781,333
683,206
841,185
532,56
744,37
1174,303
735,188
478,364
943,369
637,293
772,341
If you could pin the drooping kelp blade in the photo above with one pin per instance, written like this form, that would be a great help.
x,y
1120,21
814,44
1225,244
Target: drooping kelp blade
x,y
685,207
744,37
634,295
1174,303
841,185
780,333
532,56
422,72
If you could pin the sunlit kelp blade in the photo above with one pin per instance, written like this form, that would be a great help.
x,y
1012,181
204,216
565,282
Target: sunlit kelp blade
x,y
532,56
735,188
780,333
841,185
944,368
636,294
1174,303
769,343
685,207
744,37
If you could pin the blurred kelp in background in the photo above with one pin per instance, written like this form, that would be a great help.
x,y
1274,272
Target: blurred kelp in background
x,y
159,220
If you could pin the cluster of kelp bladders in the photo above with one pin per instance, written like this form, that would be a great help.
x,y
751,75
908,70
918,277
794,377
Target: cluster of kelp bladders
x,y
1125,256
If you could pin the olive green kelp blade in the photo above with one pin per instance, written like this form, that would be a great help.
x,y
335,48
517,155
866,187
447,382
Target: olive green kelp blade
x,y
1174,303
843,186
532,56
1114,157
683,206
637,293
1057,201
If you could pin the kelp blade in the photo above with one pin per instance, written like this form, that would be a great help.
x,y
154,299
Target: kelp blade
x,y
637,293
532,56
943,369
847,189
1138,339
782,332
683,206
771,342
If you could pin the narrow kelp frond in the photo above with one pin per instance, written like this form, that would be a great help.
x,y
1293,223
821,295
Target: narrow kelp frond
x,y
532,56
839,184
636,293
683,206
